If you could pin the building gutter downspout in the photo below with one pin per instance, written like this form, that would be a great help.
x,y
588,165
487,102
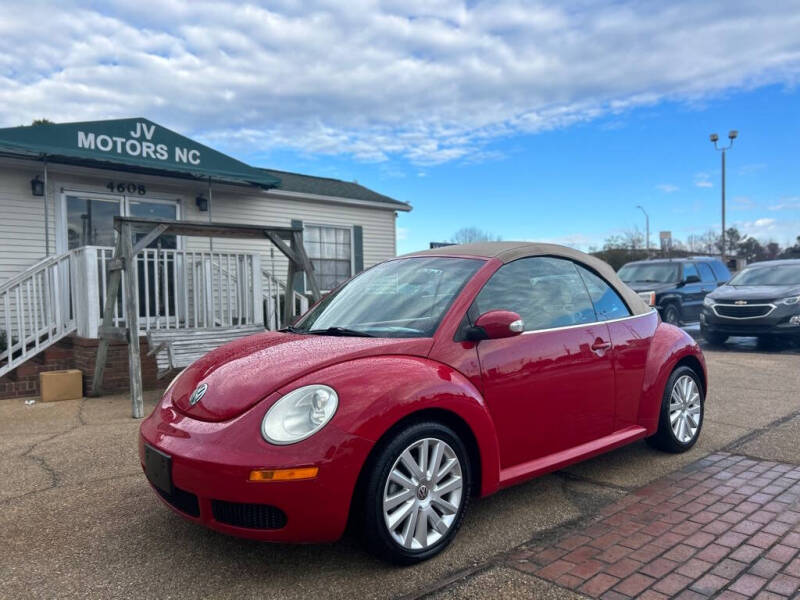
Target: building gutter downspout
x,y
210,220
46,211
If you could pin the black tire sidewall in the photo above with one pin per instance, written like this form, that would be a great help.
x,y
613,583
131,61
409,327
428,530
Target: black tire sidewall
x,y
665,428
673,308
376,534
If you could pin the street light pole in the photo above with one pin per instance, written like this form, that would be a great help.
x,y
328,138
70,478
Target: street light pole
x,y
647,228
714,139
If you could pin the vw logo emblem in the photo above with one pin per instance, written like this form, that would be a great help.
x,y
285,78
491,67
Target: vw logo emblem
x,y
198,394
422,492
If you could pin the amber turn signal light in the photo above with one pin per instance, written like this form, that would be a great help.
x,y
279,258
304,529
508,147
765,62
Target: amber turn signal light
x,y
283,474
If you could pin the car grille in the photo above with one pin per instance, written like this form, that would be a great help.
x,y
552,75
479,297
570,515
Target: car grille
x,y
184,501
743,311
252,516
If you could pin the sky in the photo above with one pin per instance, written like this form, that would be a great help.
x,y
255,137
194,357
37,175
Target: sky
x,y
531,120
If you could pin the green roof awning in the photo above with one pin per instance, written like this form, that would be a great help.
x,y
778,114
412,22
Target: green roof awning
x,y
131,144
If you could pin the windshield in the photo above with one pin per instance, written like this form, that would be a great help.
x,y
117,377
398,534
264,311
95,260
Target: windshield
x,y
399,298
775,275
649,273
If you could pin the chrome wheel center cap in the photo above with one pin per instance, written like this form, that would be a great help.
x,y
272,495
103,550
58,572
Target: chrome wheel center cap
x,y
422,492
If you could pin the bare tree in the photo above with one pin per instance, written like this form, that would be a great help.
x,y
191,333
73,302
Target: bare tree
x,y
467,235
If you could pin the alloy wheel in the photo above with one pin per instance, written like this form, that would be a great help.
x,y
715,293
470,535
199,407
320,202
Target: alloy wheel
x,y
684,409
423,493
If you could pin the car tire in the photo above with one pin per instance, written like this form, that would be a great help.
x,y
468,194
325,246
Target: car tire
x,y
395,483
713,337
675,432
671,315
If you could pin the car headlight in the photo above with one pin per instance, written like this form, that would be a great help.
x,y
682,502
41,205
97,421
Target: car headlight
x,y
709,301
299,414
790,301
648,297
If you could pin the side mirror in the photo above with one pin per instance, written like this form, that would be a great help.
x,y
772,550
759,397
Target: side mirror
x,y
496,324
692,279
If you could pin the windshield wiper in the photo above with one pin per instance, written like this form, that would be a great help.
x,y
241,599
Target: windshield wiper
x,y
292,329
340,331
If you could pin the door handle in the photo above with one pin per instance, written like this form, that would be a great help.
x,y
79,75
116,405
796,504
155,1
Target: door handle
x,y
600,345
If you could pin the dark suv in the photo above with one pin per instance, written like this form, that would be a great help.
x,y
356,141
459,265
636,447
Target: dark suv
x,y
763,300
676,287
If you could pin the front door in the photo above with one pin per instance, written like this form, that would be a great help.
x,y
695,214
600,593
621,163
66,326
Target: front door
x,y
90,222
158,263
552,387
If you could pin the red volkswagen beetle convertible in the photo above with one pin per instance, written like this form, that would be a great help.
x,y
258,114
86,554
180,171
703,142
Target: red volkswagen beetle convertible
x,y
423,381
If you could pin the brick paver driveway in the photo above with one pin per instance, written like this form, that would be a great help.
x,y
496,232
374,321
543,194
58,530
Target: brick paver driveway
x,y
725,526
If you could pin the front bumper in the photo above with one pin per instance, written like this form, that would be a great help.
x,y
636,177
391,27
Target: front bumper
x,y
211,462
782,320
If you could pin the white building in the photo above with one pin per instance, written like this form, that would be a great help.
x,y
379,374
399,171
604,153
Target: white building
x,y
62,184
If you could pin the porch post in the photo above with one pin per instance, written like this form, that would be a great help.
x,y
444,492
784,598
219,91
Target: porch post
x,y
132,316
258,292
87,293
288,304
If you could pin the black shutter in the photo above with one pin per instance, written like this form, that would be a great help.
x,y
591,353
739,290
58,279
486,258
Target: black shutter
x,y
299,282
358,248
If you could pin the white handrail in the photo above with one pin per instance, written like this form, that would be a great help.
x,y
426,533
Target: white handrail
x,y
36,309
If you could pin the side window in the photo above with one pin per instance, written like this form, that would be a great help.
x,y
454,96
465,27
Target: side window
x,y
607,302
706,276
546,292
720,270
688,270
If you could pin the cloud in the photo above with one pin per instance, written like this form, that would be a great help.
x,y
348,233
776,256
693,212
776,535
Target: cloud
x,y
751,169
791,203
702,180
783,231
402,234
742,203
430,82
667,188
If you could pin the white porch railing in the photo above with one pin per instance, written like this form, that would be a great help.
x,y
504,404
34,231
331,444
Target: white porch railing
x,y
180,289
177,289
37,309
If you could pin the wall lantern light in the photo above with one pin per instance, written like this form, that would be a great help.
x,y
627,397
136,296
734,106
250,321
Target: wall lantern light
x,y
202,203
37,186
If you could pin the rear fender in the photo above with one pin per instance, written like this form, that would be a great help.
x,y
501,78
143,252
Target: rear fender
x,y
670,345
375,393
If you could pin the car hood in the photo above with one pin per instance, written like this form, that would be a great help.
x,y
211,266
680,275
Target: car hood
x,y
243,372
641,286
754,292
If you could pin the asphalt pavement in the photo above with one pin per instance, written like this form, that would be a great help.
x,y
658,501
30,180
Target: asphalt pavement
x,y
78,518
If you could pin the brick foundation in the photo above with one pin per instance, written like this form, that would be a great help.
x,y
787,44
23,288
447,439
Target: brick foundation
x,y
79,353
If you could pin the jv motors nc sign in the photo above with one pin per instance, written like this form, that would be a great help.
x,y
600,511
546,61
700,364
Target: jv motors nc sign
x,y
141,141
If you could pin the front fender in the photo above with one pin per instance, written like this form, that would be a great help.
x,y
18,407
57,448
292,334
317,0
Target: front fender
x,y
669,346
377,392
662,301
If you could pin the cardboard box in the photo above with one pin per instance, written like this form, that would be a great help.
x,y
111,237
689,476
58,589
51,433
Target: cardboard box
x,y
61,385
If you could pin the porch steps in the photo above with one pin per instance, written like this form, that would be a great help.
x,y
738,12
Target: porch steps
x,y
36,309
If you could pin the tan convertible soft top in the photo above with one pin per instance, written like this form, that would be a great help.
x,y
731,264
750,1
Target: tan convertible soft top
x,y
510,251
